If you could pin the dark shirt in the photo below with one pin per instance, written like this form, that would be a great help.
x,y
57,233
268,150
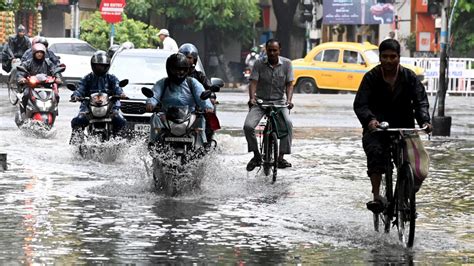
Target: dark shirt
x,y
375,99
49,54
18,46
37,67
201,77
92,83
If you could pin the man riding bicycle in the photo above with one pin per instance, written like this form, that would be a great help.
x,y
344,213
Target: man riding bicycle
x,y
392,93
271,79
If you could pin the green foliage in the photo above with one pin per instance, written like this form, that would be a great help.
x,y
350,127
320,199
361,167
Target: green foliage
x,y
227,18
17,5
462,29
97,32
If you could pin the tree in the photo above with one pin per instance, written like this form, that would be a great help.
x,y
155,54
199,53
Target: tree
x,y
284,13
97,32
18,5
462,28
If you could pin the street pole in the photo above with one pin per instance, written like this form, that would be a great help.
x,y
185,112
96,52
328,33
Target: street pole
x,y
442,123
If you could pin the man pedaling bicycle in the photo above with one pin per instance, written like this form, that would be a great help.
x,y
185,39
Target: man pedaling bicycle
x,y
392,93
271,79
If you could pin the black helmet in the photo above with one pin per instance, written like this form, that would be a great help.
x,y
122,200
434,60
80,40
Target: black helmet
x,y
189,49
42,40
177,67
112,49
100,63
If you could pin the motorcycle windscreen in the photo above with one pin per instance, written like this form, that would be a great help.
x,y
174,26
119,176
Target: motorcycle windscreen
x,y
99,104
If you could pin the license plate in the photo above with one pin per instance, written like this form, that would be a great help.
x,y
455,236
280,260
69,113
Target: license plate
x,y
178,139
142,128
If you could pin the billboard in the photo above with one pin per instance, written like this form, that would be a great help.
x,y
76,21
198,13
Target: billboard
x,y
357,12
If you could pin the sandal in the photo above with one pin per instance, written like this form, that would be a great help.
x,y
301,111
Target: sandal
x,y
377,205
283,164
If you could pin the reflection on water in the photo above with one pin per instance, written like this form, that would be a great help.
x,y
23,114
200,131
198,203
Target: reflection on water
x,y
59,208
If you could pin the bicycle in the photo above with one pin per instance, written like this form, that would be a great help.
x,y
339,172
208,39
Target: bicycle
x,y
268,139
401,202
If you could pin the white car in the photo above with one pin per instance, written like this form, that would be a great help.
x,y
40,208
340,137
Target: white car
x,y
75,54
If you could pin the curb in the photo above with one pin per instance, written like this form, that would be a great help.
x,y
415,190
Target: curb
x,y
234,87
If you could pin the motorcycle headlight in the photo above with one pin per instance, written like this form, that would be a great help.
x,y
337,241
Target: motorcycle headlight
x,y
178,129
99,111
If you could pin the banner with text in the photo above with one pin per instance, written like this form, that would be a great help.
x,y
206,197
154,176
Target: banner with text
x,y
357,12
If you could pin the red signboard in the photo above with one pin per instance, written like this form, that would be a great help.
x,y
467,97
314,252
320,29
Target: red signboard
x,y
111,10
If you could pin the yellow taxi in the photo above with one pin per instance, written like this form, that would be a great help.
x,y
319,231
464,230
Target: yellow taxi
x,y
337,66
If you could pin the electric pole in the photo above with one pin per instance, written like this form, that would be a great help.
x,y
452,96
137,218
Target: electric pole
x,y
442,123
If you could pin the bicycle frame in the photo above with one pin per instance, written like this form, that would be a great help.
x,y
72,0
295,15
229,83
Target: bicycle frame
x,y
401,202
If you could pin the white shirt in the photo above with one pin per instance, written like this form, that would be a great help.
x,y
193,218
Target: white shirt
x,y
170,44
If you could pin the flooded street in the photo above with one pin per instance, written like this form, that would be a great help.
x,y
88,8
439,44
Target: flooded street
x,y
56,207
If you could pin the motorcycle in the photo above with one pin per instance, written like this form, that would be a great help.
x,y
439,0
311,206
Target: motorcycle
x,y
42,105
176,145
100,126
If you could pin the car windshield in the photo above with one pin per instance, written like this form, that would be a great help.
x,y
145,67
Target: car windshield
x,y
372,56
139,69
73,48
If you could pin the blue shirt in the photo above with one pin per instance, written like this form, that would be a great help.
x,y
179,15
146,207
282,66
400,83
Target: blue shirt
x,y
179,95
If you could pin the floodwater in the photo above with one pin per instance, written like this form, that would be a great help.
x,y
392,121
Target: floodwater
x,y
56,207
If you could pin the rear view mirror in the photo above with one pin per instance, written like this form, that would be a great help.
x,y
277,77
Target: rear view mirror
x,y
71,87
59,70
123,83
147,92
217,82
206,95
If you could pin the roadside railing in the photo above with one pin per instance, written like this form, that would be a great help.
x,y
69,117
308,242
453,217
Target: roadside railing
x,y
460,77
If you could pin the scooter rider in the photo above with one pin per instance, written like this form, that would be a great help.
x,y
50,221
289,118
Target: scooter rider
x,y
97,81
178,89
191,53
16,46
49,54
37,65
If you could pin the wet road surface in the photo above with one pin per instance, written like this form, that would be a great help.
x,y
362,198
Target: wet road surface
x,y
59,208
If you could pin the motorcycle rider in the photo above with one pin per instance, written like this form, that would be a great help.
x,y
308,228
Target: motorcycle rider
x,y
16,47
252,57
49,54
37,65
97,81
178,90
191,53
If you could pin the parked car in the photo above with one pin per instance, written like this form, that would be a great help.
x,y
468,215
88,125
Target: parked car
x,y
75,54
337,66
143,68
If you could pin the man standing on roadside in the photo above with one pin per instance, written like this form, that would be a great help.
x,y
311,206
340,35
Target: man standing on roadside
x,y
169,43
271,80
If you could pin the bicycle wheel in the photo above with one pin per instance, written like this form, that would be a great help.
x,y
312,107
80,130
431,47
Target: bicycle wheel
x,y
406,205
274,141
11,90
384,218
267,154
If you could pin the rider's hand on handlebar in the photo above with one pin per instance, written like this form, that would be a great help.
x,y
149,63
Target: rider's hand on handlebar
x,y
22,81
252,102
149,107
429,127
58,81
209,110
373,124
123,96
74,98
290,105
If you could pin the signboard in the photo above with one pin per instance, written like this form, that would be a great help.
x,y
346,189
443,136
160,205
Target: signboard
x,y
357,12
111,10
424,41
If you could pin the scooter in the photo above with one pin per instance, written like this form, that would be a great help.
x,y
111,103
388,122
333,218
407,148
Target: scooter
x,y
176,143
42,104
